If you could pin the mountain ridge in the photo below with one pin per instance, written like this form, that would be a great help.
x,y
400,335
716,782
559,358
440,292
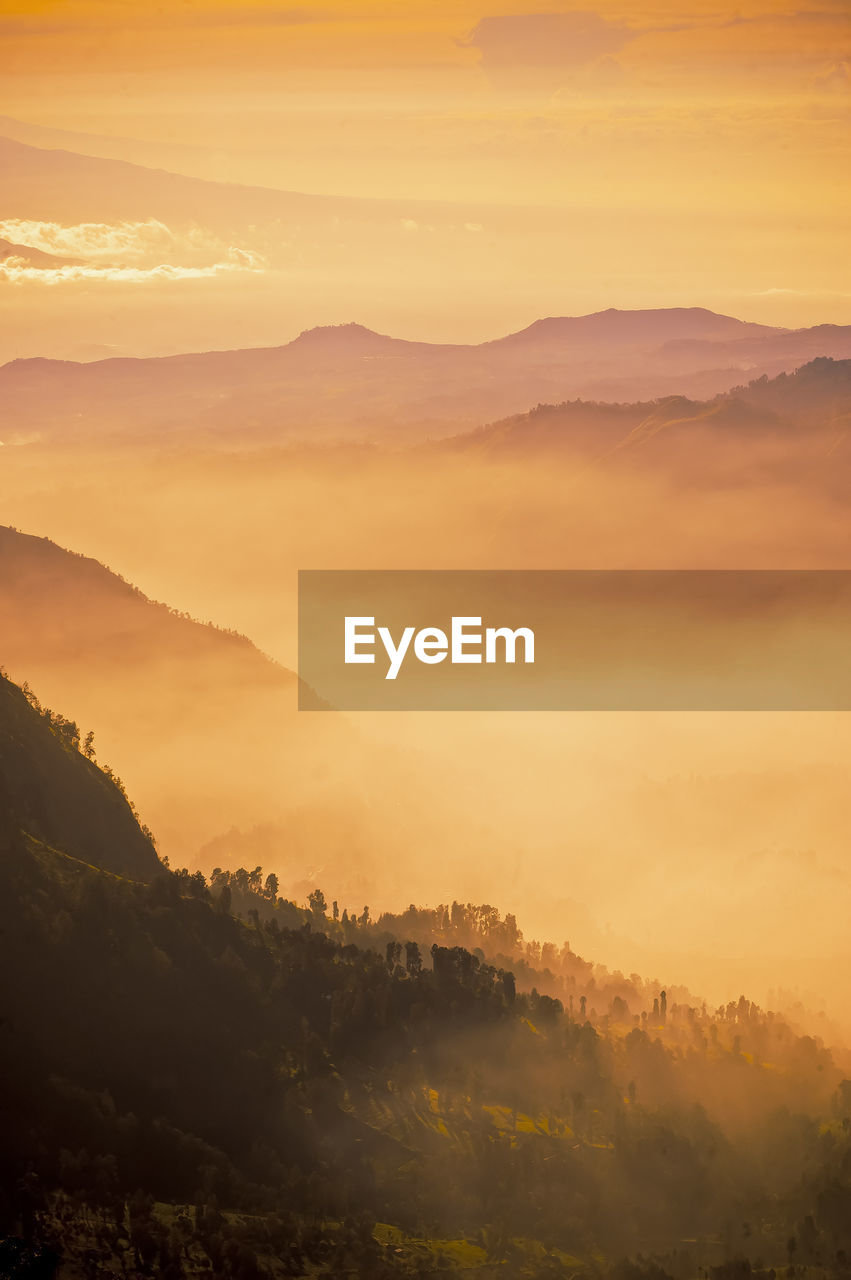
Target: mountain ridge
x,y
336,335
177,1044
809,407
638,324
349,382
52,793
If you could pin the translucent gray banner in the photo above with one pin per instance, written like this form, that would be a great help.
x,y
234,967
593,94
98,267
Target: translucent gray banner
x,y
575,640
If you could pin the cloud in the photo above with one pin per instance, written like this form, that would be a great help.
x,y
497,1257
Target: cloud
x,y
132,240
132,252
129,242
19,271
547,39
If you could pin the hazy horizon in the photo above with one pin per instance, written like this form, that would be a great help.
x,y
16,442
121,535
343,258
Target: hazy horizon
x,y
396,994
462,172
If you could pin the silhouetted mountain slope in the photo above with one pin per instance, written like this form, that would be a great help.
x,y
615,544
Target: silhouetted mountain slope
x,y
165,695
818,392
50,792
327,1109
324,1109
806,412
345,381
61,603
203,727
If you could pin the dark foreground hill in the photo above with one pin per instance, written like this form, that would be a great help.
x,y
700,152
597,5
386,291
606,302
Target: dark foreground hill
x,y
189,1093
51,793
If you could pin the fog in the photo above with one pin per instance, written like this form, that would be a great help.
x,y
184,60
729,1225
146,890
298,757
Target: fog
x,y
399,287
705,849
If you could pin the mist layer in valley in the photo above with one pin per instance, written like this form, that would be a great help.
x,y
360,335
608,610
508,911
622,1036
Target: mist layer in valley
x,y
710,844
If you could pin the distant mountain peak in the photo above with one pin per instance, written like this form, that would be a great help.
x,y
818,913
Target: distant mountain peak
x,y
349,336
647,327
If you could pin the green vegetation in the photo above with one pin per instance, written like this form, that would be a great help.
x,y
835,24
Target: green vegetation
x,y
207,1080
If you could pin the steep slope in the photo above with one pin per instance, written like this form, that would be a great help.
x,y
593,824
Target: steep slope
x,y
51,793
203,728
166,696
187,1093
63,604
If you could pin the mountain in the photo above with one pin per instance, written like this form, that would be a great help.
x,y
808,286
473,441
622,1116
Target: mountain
x,y
152,155
51,795
166,696
205,730
33,257
769,426
633,328
818,392
163,1052
254,260
207,1079
347,382
99,616
56,185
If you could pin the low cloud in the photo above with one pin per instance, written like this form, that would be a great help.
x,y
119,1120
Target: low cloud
x,y
19,271
126,251
126,240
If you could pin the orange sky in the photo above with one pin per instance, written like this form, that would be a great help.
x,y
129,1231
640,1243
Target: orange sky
x,y
697,115
748,41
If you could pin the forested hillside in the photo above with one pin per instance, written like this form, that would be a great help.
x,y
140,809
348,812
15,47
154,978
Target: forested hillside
x,y
52,793
205,1079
